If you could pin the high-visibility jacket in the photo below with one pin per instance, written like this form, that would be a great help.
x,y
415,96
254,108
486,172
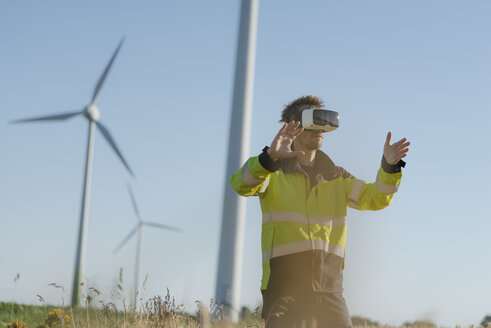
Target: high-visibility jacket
x,y
304,222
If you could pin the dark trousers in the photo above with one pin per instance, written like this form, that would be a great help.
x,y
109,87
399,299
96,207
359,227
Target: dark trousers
x,y
305,310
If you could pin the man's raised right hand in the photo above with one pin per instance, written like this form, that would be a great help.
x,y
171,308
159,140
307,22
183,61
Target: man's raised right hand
x,y
281,147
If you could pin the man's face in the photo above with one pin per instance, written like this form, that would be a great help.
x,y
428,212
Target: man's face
x,y
309,140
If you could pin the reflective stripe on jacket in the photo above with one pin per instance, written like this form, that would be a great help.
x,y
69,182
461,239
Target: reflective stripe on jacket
x,y
303,221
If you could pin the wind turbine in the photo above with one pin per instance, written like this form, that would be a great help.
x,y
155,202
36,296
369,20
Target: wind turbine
x,y
139,228
229,272
91,113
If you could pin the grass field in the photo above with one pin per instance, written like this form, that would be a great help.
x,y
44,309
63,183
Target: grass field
x,y
157,312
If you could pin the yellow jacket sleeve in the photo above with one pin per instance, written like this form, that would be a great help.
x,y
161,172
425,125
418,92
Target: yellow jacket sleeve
x,y
362,195
251,179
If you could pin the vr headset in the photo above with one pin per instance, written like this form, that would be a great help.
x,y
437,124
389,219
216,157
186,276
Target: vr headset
x,y
320,119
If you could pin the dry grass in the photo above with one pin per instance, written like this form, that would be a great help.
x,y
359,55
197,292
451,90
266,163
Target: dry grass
x,y
156,312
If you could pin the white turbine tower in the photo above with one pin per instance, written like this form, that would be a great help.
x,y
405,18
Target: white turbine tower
x,y
233,215
91,113
139,228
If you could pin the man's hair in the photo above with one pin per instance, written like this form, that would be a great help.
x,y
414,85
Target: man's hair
x,y
293,111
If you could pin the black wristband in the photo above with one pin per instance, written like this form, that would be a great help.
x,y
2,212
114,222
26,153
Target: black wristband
x,y
267,162
392,168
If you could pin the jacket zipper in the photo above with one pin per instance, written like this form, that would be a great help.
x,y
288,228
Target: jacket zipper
x,y
310,230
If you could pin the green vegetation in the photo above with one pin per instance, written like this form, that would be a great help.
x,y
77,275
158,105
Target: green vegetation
x,y
486,321
50,316
28,314
155,313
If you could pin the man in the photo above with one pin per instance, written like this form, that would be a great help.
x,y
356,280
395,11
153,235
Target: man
x,y
303,197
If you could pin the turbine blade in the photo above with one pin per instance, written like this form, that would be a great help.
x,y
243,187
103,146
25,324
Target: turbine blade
x,y
135,206
98,87
56,117
109,138
121,244
162,226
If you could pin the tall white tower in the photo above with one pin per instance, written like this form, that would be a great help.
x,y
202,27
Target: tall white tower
x,y
232,236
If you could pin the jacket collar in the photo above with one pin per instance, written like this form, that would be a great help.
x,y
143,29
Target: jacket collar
x,y
323,165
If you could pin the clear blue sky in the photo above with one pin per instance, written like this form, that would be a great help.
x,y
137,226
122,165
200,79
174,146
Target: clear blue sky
x,y
420,69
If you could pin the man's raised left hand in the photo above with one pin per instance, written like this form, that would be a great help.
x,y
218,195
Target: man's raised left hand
x,y
395,152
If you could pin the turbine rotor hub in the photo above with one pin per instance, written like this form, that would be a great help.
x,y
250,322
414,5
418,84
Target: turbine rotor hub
x,y
92,113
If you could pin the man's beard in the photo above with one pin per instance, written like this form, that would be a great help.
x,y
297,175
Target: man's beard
x,y
314,145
